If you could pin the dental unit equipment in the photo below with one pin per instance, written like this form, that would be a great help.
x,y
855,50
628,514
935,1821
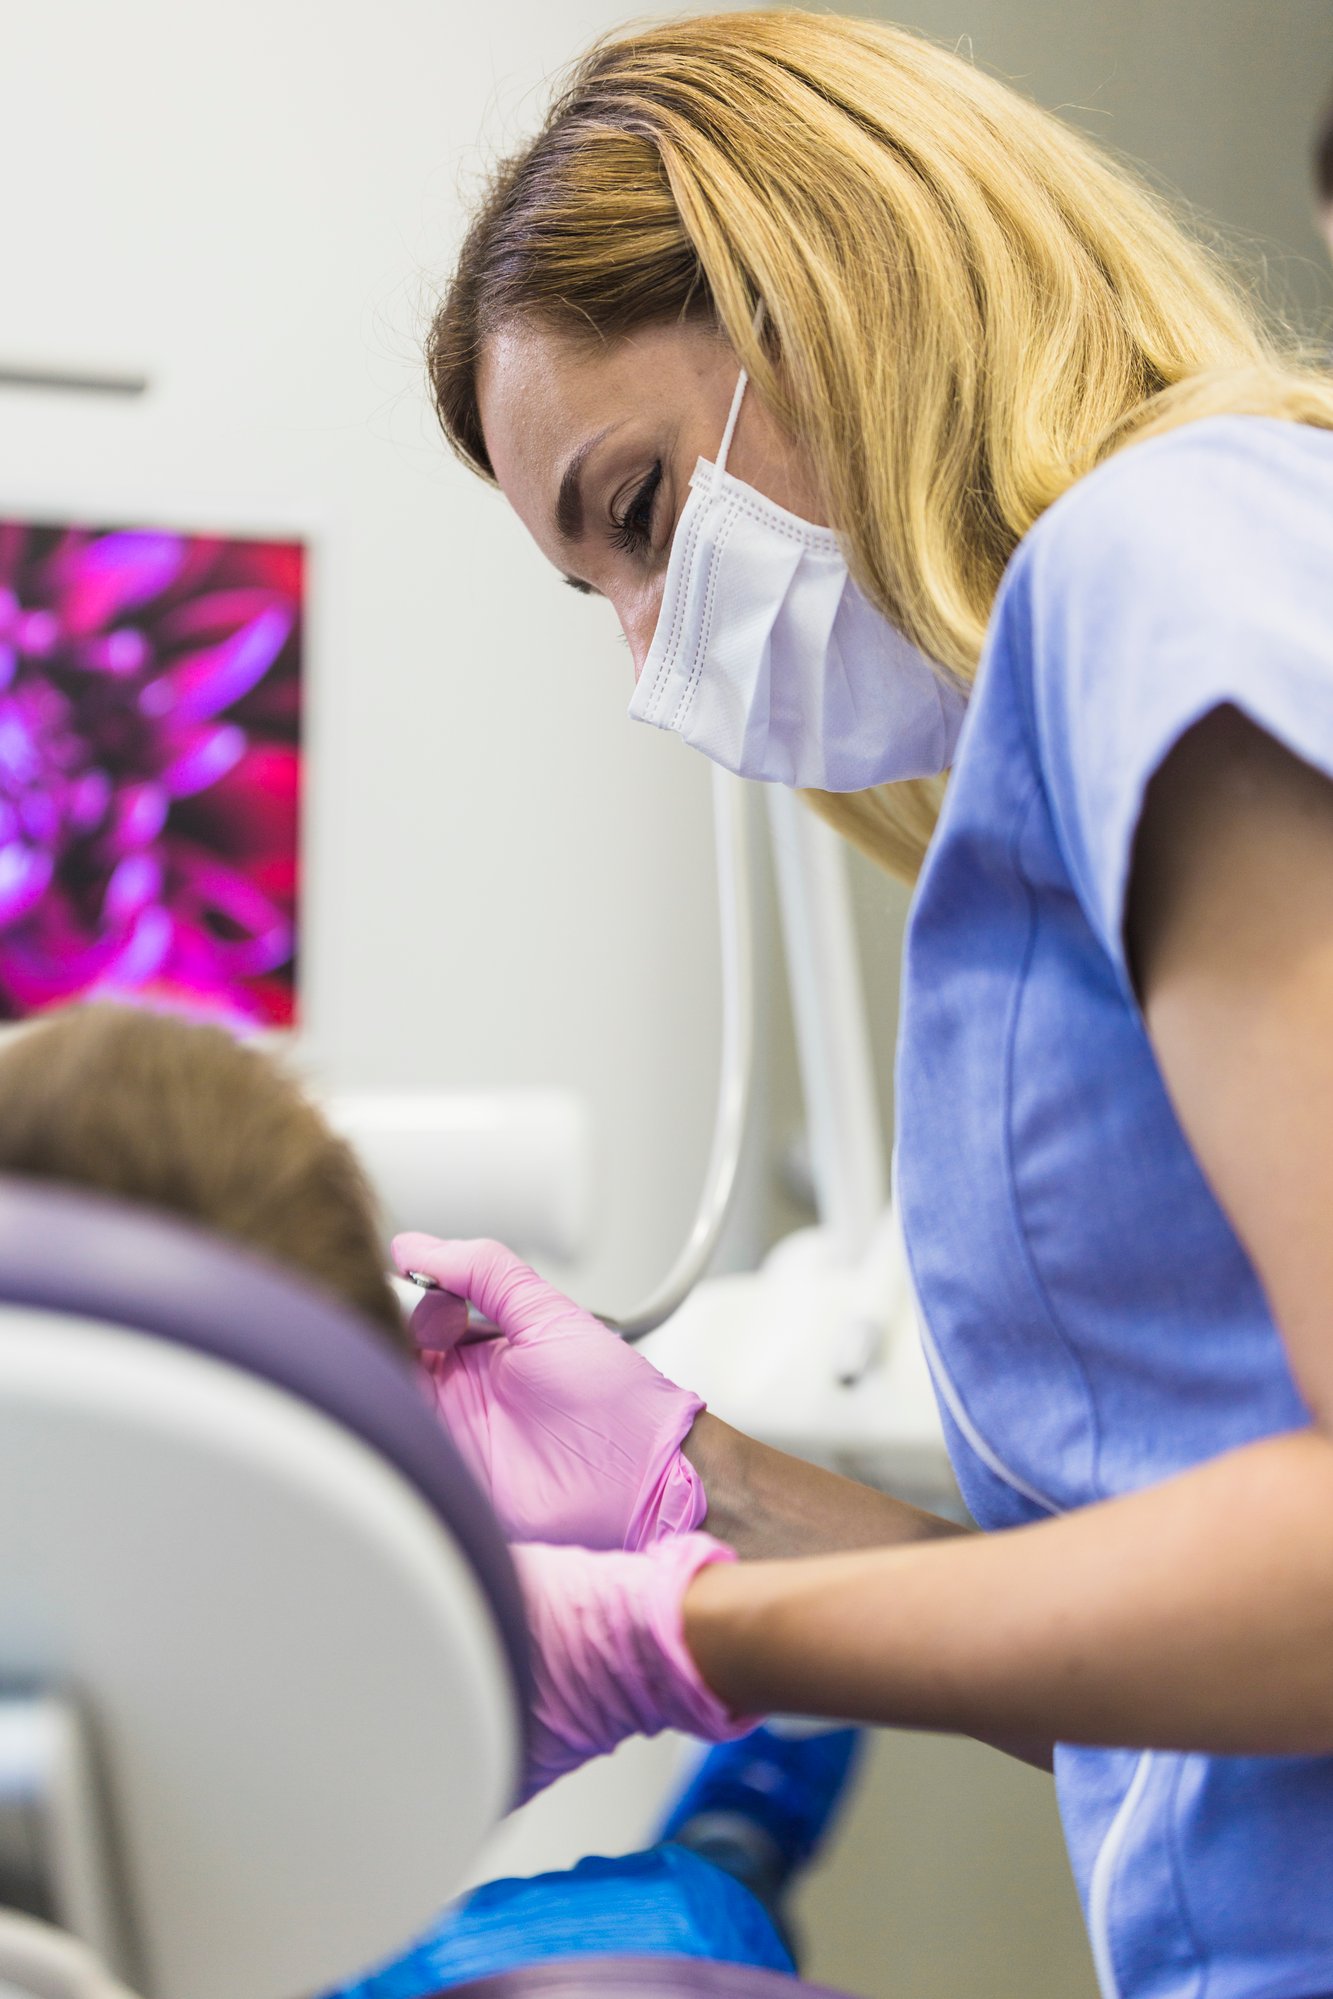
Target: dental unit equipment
x,y
818,1351
438,1161
736,934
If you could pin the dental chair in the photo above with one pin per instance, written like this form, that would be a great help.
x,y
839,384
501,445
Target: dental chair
x,y
263,1660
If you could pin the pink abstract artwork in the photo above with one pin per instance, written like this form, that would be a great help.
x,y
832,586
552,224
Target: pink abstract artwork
x,y
150,770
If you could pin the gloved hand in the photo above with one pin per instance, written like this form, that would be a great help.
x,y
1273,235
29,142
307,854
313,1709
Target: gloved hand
x,y
575,1436
609,1654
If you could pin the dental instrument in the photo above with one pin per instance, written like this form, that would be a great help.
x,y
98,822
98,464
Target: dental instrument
x,y
477,1329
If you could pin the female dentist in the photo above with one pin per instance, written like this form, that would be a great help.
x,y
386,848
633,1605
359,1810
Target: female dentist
x,y
904,432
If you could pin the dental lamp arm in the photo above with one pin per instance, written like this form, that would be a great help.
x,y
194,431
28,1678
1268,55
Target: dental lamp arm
x,y
735,1089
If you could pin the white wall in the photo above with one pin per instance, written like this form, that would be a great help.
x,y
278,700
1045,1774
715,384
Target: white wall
x,y
1216,99
506,884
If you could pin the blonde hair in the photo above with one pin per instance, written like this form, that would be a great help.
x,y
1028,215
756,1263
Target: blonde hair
x,y
178,1116
967,305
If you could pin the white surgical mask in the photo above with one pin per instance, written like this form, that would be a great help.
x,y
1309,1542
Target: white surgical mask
x,y
770,659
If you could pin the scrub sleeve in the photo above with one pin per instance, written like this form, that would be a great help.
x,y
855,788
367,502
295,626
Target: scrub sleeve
x,y
1220,595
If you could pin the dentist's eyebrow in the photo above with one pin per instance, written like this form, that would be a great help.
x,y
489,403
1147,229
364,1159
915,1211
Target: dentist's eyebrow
x,y
569,500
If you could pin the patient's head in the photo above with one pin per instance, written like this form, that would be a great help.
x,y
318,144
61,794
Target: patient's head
x,y
179,1116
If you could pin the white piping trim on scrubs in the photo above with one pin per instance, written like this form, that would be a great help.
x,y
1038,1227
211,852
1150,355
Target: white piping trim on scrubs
x,y
954,1404
1108,1853
944,1385
1110,1850
1103,1879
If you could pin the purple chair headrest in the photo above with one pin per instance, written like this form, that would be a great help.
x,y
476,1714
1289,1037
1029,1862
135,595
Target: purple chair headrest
x,y
66,1249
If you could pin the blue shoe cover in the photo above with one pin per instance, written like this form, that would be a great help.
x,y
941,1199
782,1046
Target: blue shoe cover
x,y
788,1784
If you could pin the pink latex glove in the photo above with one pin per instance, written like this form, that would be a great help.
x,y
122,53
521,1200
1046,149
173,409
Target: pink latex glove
x,y
609,1654
575,1436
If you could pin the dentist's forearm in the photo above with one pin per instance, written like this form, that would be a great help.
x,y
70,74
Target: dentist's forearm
x,y
1197,1614
763,1503
767,1505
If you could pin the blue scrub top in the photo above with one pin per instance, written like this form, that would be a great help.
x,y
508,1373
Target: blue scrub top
x,y
1093,1324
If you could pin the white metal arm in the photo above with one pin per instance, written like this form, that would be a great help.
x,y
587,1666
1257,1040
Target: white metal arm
x,y
736,928
832,1039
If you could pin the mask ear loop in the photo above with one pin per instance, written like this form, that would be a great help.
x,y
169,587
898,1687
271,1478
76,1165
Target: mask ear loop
x,y
720,464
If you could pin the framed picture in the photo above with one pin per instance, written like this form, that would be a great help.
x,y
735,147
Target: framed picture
x,y
150,770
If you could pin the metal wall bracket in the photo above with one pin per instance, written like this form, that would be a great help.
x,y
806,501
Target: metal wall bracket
x,y
72,381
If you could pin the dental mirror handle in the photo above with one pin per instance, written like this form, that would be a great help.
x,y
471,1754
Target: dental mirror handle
x,y
477,1329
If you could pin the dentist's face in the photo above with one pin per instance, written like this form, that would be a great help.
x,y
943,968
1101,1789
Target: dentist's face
x,y
594,444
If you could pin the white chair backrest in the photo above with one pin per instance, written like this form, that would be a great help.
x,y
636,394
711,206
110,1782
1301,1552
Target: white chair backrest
x,y
233,1536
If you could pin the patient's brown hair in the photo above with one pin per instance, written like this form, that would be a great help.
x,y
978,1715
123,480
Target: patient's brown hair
x,y
180,1116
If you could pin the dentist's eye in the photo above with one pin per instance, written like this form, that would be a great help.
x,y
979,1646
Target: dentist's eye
x,y
634,529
